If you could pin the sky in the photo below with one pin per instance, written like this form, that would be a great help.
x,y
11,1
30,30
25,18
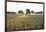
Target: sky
x,y
16,6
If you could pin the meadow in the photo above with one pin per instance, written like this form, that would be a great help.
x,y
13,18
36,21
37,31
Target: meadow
x,y
24,22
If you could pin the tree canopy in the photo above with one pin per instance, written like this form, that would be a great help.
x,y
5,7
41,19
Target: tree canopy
x,y
27,11
20,12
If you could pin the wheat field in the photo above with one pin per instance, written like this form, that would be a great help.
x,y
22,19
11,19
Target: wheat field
x,y
24,22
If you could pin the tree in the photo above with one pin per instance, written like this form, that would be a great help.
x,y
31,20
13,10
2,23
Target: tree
x,y
41,12
11,13
27,11
32,11
20,12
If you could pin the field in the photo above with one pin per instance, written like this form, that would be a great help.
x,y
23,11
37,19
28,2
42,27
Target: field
x,y
24,22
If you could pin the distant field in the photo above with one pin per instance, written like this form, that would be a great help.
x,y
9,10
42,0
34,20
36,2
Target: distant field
x,y
24,22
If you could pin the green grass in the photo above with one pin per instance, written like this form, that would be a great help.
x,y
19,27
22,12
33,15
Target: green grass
x,y
24,22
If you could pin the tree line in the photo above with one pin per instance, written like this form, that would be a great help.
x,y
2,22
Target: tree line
x,y
27,12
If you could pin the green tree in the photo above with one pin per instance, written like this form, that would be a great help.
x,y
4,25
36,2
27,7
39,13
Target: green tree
x,y
27,11
41,12
20,12
32,11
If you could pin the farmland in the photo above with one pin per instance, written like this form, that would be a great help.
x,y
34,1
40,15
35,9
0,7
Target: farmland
x,y
24,22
